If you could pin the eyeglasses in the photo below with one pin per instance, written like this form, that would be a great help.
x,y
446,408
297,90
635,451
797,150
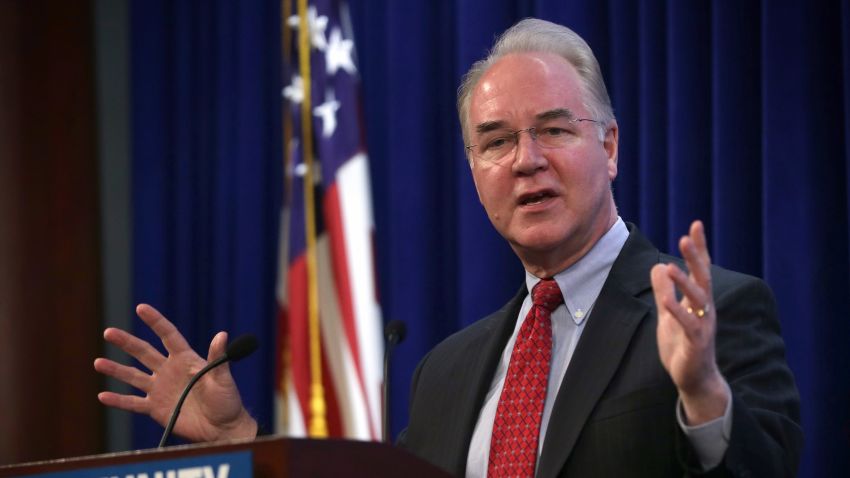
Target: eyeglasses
x,y
498,145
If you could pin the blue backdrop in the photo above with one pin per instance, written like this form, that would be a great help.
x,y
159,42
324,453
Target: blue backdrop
x,y
733,112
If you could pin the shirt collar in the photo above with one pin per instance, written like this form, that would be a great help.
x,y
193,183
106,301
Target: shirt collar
x,y
582,282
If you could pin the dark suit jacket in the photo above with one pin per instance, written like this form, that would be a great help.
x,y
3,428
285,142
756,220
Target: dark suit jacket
x,y
615,412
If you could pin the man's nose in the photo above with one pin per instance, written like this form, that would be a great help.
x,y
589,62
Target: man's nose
x,y
528,155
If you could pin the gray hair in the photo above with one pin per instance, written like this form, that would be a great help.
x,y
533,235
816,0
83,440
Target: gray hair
x,y
535,35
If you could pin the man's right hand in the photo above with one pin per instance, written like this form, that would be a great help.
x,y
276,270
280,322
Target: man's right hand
x,y
212,411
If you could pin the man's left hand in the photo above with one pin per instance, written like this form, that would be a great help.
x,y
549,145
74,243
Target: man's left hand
x,y
686,330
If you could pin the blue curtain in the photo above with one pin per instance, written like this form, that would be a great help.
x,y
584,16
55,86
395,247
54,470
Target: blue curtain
x,y
732,112
207,177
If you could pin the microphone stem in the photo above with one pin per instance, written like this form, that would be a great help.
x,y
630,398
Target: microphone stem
x,y
176,412
386,414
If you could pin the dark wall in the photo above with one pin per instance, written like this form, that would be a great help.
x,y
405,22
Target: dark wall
x,y
49,260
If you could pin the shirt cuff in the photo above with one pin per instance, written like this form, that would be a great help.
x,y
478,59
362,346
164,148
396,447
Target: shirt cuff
x,y
711,439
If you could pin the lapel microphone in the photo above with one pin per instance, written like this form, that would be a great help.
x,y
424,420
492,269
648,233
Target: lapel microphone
x,y
239,348
393,334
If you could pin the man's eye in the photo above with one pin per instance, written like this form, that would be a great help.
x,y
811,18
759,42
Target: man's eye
x,y
496,143
553,132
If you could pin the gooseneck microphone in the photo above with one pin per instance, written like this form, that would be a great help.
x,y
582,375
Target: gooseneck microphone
x,y
393,334
239,348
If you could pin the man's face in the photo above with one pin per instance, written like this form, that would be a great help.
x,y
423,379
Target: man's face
x,y
551,204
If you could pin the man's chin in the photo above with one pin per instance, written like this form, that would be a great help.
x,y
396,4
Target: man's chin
x,y
537,245
544,251
541,237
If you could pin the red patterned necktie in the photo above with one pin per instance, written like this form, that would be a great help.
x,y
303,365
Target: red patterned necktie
x,y
516,429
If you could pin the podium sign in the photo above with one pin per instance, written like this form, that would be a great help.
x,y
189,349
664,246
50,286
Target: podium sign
x,y
223,465
266,457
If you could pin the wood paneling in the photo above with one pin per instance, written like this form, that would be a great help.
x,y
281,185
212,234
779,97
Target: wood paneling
x,y
49,242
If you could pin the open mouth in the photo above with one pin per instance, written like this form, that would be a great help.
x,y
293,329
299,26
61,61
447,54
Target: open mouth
x,y
535,198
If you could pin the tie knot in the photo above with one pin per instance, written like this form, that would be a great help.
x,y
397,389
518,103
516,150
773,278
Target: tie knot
x,y
547,294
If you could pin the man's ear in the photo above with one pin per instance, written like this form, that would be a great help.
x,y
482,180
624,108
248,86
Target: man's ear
x,y
610,142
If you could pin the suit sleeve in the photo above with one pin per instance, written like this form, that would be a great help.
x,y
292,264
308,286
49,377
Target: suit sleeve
x,y
766,437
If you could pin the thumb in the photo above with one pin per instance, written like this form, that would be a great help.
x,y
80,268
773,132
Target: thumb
x,y
218,347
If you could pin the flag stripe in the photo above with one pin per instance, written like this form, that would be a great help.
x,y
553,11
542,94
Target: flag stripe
x,y
338,353
299,335
339,240
354,188
339,266
333,414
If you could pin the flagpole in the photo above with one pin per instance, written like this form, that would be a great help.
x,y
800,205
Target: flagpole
x,y
285,350
317,427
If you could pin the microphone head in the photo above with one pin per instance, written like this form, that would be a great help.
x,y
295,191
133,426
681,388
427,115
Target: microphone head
x,y
241,347
395,331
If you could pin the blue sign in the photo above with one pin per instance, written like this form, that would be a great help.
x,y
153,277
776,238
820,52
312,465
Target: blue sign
x,y
224,465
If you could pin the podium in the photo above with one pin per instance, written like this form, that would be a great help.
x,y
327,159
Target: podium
x,y
265,457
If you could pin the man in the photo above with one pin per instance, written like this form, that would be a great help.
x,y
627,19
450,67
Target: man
x,y
596,367
542,143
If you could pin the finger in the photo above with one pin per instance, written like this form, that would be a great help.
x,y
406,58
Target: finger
x,y
665,297
662,286
131,403
694,294
128,375
697,260
697,233
172,339
135,347
690,324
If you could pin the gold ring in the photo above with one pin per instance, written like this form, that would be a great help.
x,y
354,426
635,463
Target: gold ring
x,y
700,312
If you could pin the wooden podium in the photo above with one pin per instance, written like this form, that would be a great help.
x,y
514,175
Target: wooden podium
x,y
265,457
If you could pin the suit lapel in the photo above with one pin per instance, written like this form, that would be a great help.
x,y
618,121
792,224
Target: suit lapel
x,y
603,343
476,374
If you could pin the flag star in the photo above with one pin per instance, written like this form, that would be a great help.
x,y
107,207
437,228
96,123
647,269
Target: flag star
x,y
300,170
338,53
316,25
294,92
327,111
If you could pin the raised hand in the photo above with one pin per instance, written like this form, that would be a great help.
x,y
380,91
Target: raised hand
x,y
212,411
687,328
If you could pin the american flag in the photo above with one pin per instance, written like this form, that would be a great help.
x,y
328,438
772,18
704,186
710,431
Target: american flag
x,y
329,375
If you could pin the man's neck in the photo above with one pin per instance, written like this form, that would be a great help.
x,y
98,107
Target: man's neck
x,y
546,264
